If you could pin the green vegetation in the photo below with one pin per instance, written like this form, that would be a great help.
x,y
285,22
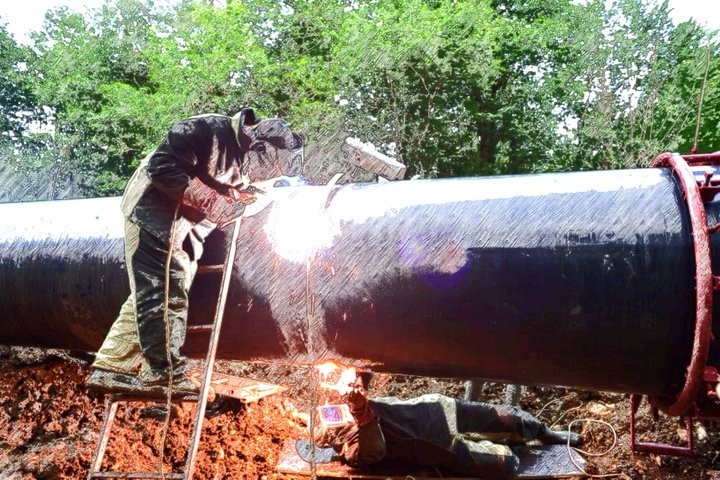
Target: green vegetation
x,y
450,87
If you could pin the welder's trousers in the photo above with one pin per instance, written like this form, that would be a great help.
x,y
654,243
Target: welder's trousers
x,y
139,336
468,438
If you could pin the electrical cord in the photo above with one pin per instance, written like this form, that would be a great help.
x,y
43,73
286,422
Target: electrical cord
x,y
570,449
168,355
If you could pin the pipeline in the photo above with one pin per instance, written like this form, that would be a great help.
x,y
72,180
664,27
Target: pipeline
x,y
582,279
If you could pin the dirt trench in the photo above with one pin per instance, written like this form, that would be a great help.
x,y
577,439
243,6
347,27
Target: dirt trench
x,y
49,424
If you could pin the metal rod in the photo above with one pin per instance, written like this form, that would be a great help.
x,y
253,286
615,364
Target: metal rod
x,y
108,420
210,358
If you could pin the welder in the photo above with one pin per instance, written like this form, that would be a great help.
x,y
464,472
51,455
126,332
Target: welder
x,y
199,178
435,431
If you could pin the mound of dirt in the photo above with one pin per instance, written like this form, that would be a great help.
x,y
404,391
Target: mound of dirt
x,y
49,424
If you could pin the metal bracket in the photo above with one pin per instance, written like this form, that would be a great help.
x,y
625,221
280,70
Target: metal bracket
x,y
658,448
704,283
688,404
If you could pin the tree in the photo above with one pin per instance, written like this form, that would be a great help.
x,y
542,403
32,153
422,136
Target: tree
x,y
18,107
679,82
22,152
118,80
394,73
449,87
95,79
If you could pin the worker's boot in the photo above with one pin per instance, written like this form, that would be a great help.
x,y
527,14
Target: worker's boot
x,y
113,382
553,436
155,381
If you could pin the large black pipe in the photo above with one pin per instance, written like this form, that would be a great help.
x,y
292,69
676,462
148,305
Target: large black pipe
x,y
578,279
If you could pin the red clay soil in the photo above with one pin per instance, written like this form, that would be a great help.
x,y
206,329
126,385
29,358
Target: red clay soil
x,y
49,425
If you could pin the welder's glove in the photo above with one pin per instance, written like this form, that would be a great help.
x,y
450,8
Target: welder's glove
x,y
356,399
265,191
218,208
248,195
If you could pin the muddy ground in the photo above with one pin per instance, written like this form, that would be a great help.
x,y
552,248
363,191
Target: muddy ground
x,y
49,424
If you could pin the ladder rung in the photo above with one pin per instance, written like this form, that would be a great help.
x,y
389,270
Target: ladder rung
x,y
201,328
128,397
205,269
135,475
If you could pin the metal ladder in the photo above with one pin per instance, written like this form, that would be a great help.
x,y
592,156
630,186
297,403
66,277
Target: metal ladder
x,y
201,398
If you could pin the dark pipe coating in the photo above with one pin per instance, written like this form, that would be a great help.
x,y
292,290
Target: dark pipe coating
x,y
576,279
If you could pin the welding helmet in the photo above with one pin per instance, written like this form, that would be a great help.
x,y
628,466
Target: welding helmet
x,y
275,150
243,123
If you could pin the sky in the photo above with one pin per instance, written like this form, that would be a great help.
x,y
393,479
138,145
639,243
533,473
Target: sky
x,y
25,16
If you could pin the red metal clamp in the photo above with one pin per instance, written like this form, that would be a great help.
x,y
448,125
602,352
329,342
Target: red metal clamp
x,y
685,400
698,374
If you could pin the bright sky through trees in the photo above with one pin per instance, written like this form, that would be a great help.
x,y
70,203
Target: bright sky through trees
x,y
23,17
450,88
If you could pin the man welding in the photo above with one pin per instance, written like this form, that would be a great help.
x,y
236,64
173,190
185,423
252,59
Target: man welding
x,y
466,438
198,179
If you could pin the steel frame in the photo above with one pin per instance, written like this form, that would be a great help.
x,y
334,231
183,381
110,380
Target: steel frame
x,y
690,404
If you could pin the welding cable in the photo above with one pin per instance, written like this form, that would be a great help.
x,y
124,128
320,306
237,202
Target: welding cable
x,y
563,415
168,356
314,379
584,452
309,313
313,407
555,400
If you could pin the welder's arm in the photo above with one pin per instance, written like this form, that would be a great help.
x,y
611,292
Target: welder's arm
x,y
218,208
171,167
368,445
266,192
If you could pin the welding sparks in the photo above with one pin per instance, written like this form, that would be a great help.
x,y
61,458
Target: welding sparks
x,y
326,368
299,228
345,379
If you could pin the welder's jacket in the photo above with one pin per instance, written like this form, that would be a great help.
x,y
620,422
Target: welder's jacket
x,y
205,147
439,431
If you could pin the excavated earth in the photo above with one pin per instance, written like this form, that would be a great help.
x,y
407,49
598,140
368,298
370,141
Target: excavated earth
x,y
49,424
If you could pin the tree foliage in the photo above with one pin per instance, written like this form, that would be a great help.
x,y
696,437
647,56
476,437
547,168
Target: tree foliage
x,y
450,87
18,105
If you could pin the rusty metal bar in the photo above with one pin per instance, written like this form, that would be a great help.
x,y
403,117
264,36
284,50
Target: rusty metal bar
x,y
655,447
98,455
209,365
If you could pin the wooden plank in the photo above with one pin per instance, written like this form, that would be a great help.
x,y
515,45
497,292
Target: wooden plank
x,y
245,389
